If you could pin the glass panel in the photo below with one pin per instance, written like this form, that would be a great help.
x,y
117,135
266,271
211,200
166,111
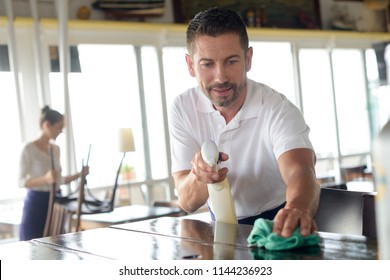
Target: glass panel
x,y
317,98
380,95
151,76
176,76
104,97
383,100
4,59
271,61
272,65
11,141
316,84
351,101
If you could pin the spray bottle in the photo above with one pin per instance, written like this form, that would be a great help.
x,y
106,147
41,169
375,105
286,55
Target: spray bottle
x,y
222,204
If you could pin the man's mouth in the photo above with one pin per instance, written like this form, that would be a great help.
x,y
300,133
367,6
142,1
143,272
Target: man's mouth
x,y
221,90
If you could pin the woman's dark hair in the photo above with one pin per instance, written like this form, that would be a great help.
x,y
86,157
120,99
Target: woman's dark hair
x,y
216,21
50,115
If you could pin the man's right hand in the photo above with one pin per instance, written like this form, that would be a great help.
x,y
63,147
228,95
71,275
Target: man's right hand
x,y
205,173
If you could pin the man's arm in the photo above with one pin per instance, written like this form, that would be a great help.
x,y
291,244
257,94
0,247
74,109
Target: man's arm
x,y
302,194
191,185
191,194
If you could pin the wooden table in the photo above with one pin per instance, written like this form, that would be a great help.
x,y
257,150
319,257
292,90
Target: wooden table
x,y
171,238
125,214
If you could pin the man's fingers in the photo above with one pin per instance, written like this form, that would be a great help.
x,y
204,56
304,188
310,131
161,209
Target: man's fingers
x,y
287,220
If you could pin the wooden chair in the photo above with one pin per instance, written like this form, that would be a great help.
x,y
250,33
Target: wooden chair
x,y
354,173
62,210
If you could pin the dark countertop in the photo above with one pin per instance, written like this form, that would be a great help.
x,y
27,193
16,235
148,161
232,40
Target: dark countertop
x,y
171,238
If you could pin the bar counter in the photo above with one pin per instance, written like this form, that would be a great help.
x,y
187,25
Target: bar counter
x,y
170,238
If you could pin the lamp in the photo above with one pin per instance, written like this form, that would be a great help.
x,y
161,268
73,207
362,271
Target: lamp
x,y
125,144
126,140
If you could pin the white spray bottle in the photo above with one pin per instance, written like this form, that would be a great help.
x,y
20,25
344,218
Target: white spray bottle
x,y
222,204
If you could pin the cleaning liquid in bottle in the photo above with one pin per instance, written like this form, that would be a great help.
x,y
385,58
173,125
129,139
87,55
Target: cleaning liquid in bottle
x,y
222,204
381,160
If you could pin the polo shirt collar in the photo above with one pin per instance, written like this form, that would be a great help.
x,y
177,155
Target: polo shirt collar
x,y
252,104
204,104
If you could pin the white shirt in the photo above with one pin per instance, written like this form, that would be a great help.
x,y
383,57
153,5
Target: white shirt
x,y
36,163
266,126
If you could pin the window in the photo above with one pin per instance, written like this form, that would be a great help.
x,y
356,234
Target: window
x,y
103,97
154,113
272,64
351,101
335,106
317,96
10,125
176,76
125,76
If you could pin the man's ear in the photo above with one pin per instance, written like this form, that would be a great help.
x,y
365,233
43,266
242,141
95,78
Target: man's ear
x,y
190,65
248,59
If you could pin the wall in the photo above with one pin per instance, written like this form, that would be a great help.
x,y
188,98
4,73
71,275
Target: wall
x,y
354,13
46,9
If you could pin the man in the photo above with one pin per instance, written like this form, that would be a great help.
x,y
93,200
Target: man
x,y
262,137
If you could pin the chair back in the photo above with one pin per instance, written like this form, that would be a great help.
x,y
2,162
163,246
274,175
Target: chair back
x,y
107,205
80,198
369,218
343,211
50,212
63,210
353,173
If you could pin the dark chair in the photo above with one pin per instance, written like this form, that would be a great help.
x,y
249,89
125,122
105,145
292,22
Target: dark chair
x,y
345,212
369,218
171,204
335,185
68,211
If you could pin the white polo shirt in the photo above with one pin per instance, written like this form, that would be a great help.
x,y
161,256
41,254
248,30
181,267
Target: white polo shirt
x,y
267,125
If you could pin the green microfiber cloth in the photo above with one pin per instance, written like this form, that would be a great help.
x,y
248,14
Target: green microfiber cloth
x,y
262,236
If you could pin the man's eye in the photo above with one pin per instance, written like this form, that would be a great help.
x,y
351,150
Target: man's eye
x,y
207,65
232,61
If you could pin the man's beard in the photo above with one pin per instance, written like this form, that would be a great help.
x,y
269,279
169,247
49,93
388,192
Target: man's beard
x,y
224,101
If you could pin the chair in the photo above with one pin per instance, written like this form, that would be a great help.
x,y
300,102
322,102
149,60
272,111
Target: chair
x,y
369,218
345,212
68,212
63,209
354,173
171,204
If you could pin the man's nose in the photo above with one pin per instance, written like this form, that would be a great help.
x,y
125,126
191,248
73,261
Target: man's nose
x,y
221,75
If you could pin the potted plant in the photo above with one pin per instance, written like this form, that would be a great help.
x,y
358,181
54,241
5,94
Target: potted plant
x,y
127,172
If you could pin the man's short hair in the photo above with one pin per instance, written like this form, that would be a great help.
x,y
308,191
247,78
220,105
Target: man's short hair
x,y
216,21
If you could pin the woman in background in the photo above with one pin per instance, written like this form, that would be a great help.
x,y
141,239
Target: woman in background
x,y
39,169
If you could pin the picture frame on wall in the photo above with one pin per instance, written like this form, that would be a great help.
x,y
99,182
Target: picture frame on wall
x,y
301,14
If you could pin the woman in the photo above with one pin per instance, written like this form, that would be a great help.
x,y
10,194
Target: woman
x,y
40,168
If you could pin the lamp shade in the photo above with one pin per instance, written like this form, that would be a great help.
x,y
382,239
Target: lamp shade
x,y
126,140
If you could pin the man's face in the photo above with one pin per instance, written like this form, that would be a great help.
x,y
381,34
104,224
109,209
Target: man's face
x,y
220,65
